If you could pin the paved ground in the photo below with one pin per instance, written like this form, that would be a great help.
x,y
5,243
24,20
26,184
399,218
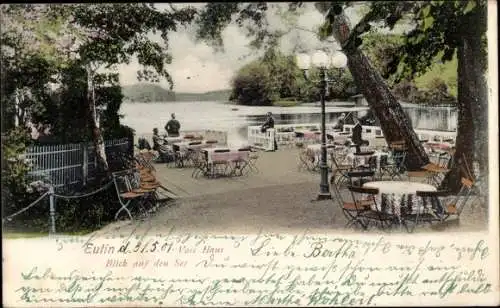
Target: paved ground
x,y
278,198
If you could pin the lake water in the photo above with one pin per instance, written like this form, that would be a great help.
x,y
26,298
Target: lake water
x,y
143,117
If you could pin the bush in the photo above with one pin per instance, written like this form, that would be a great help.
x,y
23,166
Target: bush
x,y
252,86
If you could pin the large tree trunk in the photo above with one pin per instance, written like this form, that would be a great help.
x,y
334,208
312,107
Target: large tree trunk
x,y
394,122
101,160
472,130
464,146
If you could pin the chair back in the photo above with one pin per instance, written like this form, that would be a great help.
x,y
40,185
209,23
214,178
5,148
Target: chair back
x,y
126,180
360,177
363,190
222,150
463,196
399,145
194,143
363,195
211,141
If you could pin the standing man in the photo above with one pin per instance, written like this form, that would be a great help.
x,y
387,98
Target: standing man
x,y
270,124
173,126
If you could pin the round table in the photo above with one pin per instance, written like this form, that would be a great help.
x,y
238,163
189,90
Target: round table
x,y
395,193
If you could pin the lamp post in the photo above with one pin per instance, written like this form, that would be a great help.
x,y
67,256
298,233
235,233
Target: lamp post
x,y
322,61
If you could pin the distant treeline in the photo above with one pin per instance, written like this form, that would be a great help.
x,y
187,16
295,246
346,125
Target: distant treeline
x,y
147,93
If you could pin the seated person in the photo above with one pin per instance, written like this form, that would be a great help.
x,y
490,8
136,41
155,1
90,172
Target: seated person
x,y
340,124
157,140
160,147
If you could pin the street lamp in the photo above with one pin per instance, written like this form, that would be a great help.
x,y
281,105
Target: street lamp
x,y
322,60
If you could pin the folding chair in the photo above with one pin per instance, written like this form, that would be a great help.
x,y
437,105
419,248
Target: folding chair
x,y
127,185
422,176
395,165
358,178
364,157
427,211
218,167
339,171
458,204
432,206
252,161
364,199
239,163
200,164
306,160
349,208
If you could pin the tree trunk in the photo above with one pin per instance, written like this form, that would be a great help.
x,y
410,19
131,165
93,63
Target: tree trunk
x,y
101,160
394,122
472,130
464,145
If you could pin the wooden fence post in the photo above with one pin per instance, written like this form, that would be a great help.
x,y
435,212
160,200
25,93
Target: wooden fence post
x,y
85,162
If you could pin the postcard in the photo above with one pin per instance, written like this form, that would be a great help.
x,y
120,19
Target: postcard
x,y
250,154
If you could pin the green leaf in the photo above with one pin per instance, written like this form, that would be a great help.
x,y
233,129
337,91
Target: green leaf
x,y
470,6
428,22
426,10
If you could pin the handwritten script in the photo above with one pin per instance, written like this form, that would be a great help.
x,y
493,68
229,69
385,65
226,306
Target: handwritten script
x,y
258,270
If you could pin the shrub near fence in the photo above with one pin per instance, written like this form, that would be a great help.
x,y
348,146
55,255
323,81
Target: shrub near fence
x,y
71,164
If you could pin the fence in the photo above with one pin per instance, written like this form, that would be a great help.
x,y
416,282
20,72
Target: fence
x,y
284,134
70,164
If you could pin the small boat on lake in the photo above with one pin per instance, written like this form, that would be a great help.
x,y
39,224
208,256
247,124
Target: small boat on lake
x,y
234,109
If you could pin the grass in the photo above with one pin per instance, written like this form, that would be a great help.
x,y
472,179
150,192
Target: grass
x,y
286,103
446,71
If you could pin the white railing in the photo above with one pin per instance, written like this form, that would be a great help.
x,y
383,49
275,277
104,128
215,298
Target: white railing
x,y
373,134
66,164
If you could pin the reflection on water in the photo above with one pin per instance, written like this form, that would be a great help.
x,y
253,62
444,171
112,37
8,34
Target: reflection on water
x,y
143,117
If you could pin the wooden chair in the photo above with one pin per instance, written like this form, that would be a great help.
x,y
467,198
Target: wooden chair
x,y
395,165
367,209
306,160
458,204
129,191
239,164
422,176
349,208
339,171
251,165
359,177
445,204
432,207
219,167
200,164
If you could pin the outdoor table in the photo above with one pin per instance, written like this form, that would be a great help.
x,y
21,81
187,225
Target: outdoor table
x,y
438,145
358,160
173,139
187,145
310,134
230,155
393,195
315,151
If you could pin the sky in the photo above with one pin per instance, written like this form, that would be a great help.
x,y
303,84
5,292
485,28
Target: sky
x,y
208,70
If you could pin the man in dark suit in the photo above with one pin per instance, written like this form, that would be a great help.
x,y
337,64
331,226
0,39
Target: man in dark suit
x,y
173,126
357,136
270,124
